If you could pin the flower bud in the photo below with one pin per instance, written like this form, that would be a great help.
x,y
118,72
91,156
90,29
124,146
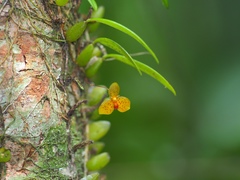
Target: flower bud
x,y
76,31
84,57
93,66
61,2
95,95
98,129
96,147
5,155
98,162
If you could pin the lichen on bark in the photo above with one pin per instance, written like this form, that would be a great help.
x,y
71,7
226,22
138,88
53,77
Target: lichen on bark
x,y
36,91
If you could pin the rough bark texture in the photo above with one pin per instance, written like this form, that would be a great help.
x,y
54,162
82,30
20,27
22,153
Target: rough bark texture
x,y
37,90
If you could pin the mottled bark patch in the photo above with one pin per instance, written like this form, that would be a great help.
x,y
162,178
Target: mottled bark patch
x,y
4,50
23,157
27,43
2,35
37,88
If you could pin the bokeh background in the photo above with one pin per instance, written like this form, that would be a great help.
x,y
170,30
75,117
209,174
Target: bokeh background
x,y
196,134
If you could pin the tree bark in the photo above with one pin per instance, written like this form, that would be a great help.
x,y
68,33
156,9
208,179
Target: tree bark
x,y
37,90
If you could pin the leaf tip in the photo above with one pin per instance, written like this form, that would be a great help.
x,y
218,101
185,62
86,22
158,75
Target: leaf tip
x,y
172,90
165,3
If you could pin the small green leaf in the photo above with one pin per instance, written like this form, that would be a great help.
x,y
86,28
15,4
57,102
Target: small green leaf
x,y
165,3
95,95
98,129
93,4
98,162
84,57
61,2
76,31
125,30
144,68
116,47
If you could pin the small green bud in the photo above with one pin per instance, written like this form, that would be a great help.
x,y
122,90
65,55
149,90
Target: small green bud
x,y
98,162
5,155
61,2
93,66
96,147
85,56
76,31
99,13
95,95
93,176
98,129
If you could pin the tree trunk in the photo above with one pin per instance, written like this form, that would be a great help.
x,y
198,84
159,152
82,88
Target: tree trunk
x,y
39,83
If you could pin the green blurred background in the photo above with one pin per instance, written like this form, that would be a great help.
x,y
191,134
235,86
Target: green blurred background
x,y
196,134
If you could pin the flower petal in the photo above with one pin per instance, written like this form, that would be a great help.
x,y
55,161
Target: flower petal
x,y
123,104
114,90
106,107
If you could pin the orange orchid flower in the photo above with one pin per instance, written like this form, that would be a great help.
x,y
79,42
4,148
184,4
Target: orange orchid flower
x,y
115,101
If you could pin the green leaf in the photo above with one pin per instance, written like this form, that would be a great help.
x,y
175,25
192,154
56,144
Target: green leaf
x,y
76,31
125,30
93,4
98,162
144,68
95,95
98,129
165,3
61,2
84,57
118,48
